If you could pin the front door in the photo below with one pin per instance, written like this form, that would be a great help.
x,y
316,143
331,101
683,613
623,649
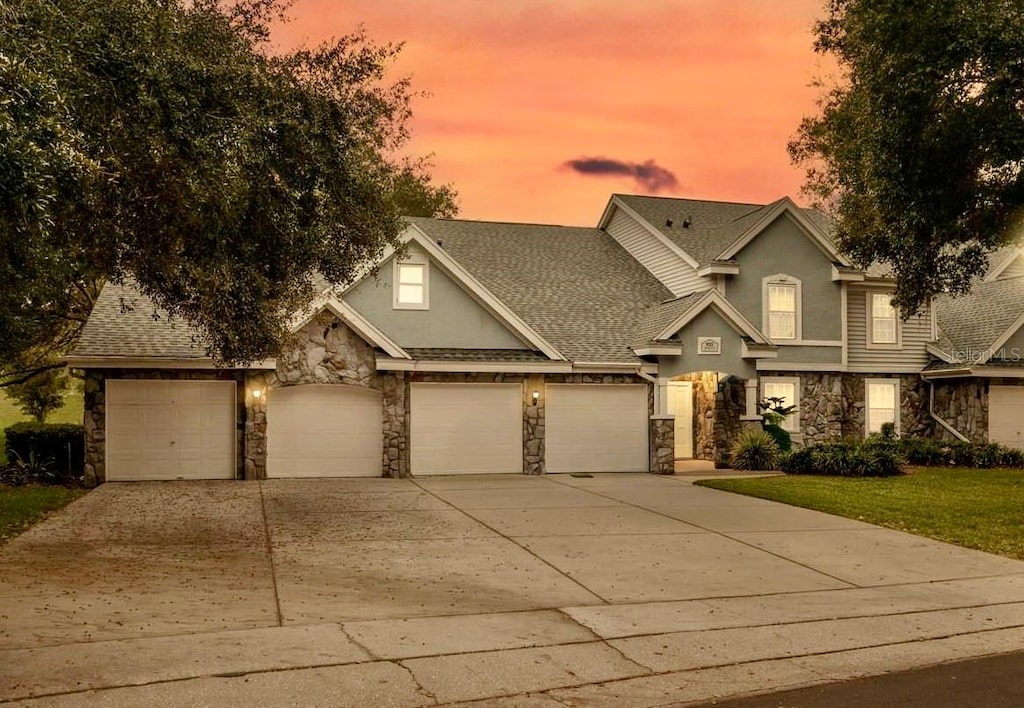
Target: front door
x,y
680,404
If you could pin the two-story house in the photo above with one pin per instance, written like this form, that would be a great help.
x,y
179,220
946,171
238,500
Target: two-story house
x,y
496,348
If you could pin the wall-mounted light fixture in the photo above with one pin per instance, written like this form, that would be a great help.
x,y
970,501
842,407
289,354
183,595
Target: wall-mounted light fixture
x,y
536,397
257,393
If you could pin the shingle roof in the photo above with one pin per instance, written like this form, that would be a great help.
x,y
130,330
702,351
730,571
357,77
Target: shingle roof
x,y
125,323
712,226
657,317
576,287
974,322
513,355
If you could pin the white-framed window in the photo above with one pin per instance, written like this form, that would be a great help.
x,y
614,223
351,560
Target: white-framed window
x,y
881,404
883,320
788,389
781,302
412,280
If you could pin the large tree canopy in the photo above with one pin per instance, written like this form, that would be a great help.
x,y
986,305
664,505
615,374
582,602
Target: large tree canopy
x,y
160,140
917,152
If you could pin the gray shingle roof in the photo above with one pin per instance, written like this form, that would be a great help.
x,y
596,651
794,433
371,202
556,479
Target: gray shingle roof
x,y
713,226
125,323
657,317
576,287
502,355
975,321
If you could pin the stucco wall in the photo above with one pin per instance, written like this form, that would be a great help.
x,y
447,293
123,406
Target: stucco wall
x,y
707,324
783,247
454,319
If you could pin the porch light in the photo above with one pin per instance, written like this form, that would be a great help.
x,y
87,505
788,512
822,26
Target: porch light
x,y
536,397
257,393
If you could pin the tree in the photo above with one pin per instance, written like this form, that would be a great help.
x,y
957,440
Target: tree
x,y
917,152
41,394
160,141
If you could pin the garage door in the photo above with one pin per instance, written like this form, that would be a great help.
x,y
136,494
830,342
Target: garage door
x,y
596,428
170,430
324,431
1006,415
466,428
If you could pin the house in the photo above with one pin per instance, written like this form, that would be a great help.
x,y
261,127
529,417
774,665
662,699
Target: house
x,y
497,347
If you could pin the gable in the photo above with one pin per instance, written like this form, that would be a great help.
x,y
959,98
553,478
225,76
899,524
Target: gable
x,y
454,319
709,323
1014,269
784,247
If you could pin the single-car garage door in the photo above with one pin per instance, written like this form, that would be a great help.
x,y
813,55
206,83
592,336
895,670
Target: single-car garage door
x,y
158,429
329,430
1006,415
466,428
595,428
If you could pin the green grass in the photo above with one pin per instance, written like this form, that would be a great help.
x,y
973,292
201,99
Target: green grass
x,y
10,414
20,507
979,509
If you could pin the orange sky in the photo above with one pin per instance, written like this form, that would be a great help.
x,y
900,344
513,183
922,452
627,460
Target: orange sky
x,y
710,90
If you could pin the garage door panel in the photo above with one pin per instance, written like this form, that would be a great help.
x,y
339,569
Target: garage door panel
x,y
596,428
1006,415
166,429
466,428
324,431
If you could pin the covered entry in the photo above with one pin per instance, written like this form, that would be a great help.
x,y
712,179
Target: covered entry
x,y
329,430
596,428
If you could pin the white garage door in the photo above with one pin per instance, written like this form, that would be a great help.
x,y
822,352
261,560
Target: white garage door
x,y
1006,415
466,428
329,430
596,428
170,429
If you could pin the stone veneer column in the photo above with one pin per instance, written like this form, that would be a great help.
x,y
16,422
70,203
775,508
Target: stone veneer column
x,y
256,423
396,445
533,425
94,422
663,445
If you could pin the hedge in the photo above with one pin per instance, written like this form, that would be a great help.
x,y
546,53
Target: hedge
x,y
58,445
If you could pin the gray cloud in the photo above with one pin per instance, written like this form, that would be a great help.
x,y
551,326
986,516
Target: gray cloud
x,y
648,175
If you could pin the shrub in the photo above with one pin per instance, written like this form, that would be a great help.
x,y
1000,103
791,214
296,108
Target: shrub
x,y
798,461
780,435
876,457
755,450
1011,457
924,451
61,448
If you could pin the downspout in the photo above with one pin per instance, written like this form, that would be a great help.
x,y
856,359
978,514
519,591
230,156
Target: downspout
x,y
931,411
657,394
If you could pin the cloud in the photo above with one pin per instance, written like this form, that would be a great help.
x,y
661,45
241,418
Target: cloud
x,y
648,175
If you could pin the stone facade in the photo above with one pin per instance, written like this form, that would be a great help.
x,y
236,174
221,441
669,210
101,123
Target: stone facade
x,y
663,445
730,407
963,404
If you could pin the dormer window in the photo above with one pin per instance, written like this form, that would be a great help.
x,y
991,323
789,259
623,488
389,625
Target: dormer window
x,y
411,281
781,316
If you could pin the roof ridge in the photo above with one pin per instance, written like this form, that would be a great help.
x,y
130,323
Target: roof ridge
x,y
501,223
690,199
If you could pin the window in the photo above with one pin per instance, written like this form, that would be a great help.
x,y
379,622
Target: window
x,y
781,306
881,404
411,286
788,389
883,322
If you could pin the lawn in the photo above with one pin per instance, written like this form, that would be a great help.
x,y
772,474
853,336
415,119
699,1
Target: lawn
x,y
982,509
20,507
70,413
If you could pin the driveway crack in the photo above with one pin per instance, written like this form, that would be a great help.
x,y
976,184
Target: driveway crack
x,y
270,554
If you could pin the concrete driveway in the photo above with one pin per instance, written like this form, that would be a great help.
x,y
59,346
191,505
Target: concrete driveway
x,y
613,590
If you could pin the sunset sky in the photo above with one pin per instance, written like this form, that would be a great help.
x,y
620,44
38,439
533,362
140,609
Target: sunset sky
x,y
540,109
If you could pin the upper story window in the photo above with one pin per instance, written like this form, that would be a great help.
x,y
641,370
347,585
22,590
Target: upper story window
x,y
781,317
883,323
411,282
